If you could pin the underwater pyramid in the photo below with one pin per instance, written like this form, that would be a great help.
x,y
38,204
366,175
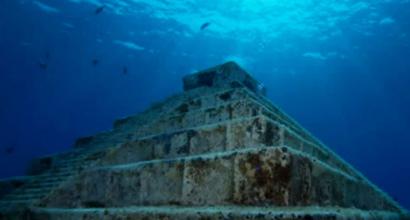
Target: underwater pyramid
x,y
219,150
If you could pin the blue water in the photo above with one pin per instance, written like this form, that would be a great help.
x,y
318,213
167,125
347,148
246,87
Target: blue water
x,y
340,68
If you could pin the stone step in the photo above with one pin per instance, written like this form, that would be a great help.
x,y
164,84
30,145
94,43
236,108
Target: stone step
x,y
81,161
217,101
42,184
79,165
227,111
58,174
77,156
214,213
205,102
10,184
245,105
55,174
173,103
276,176
34,190
194,103
200,98
31,196
282,117
69,161
126,125
47,181
198,117
72,159
218,137
4,203
70,168
9,209
37,188
72,153
52,162
298,136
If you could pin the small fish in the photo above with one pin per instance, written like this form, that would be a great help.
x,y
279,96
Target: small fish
x,y
43,65
99,9
124,70
95,62
9,150
205,25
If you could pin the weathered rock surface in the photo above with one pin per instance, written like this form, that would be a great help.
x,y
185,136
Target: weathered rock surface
x,y
219,150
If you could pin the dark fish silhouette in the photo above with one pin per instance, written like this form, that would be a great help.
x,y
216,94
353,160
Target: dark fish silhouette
x,y
205,25
95,62
9,150
125,70
99,9
43,65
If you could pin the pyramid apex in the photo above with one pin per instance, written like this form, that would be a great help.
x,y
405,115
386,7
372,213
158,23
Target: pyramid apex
x,y
229,74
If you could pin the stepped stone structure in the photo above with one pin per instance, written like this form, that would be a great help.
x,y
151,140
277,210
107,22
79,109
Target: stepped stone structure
x,y
219,150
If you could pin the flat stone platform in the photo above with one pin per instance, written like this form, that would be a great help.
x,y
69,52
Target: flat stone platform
x,y
213,213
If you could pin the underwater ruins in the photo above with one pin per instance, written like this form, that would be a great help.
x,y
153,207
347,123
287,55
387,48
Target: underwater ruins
x,y
218,150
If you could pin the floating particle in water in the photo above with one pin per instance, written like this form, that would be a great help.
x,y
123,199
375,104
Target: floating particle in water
x,y
43,65
205,25
95,62
9,150
125,70
47,55
99,9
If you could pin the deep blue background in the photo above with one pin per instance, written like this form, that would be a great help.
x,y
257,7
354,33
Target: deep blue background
x,y
358,104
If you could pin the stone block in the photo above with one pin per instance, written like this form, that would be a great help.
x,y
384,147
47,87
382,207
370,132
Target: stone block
x,y
263,177
323,182
225,75
218,114
172,145
208,139
283,177
231,110
111,188
256,132
292,140
161,183
301,185
244,108
130,152
98,189
208,181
